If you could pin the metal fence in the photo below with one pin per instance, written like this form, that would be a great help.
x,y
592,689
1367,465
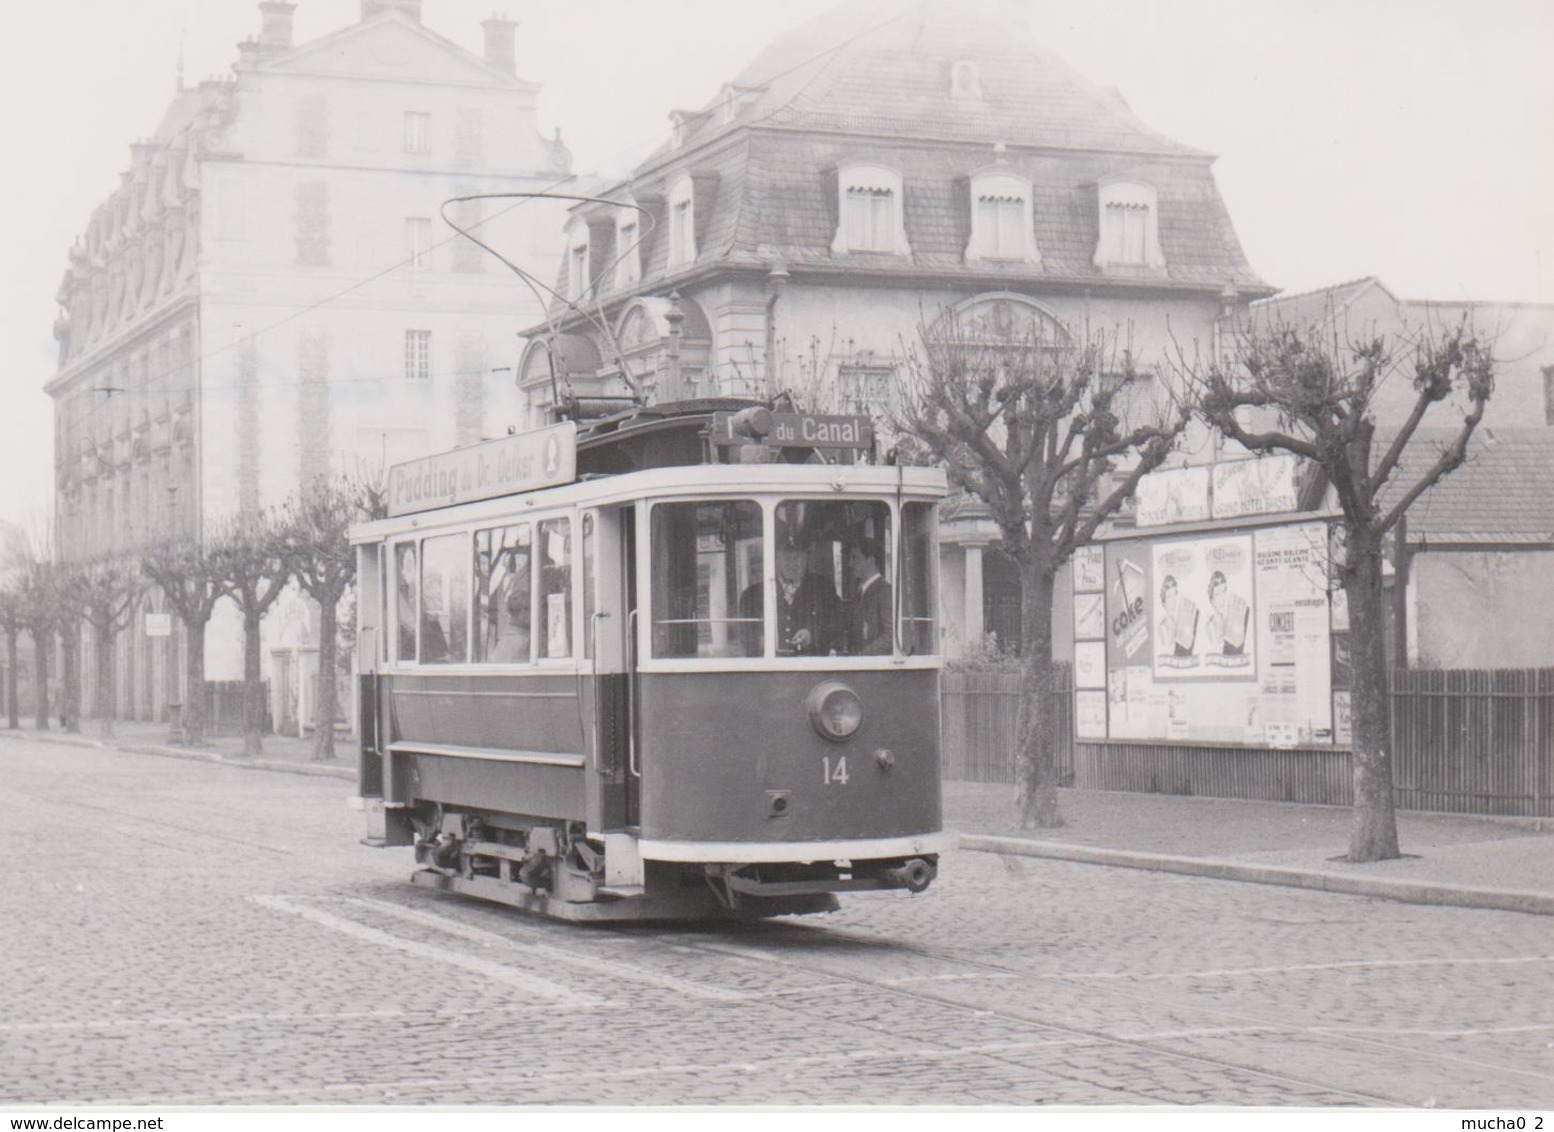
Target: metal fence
x,y
1462,742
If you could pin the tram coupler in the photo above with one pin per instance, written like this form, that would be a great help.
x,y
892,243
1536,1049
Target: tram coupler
x,y
914,875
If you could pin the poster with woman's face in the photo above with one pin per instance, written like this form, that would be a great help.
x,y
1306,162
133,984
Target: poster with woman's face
x,y
1203,592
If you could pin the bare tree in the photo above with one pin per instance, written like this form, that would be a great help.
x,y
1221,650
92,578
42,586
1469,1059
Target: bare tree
x,y
12,622
105,592
1032,425
41,613
1309,392
190,578
314,528
250,552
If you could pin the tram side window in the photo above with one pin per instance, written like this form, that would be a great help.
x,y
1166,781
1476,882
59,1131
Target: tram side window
x,y
705,555
919,579
833,578
502,584
554,609
445,600
405,580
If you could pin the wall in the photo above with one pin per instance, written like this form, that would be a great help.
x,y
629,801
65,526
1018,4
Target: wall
x,y
1481,609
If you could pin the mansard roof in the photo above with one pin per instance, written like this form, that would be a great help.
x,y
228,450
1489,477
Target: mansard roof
x,y
883,68
872,81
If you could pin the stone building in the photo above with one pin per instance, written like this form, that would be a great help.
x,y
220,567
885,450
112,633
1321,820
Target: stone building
x,y
270,294
874,170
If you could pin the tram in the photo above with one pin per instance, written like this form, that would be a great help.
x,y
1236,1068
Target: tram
x,y
680,661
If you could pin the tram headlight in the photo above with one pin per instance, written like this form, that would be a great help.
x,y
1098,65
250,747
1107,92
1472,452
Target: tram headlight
x,y
835,711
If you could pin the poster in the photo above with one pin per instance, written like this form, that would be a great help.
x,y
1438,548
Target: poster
x,y
1090,664
1294,619
1179,495
1090,617
1205,591
1260,486
1090,715
1089,569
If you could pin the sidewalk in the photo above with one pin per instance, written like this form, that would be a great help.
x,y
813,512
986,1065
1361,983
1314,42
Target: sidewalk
x,y
1458,859
1469,861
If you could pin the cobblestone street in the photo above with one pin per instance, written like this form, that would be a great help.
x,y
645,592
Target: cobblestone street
x,y
184,933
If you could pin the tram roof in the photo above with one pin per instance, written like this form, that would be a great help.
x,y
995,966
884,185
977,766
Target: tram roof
x,y
686,481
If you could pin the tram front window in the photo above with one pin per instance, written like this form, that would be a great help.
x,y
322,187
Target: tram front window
x,y
834,593
705,555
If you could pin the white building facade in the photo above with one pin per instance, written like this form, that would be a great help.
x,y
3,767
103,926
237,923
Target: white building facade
x,y
272,295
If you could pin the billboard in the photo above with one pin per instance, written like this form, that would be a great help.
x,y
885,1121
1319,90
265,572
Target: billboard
x,y
1222,637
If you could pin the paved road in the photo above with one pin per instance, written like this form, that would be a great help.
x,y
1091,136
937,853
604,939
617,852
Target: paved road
x,y
181,933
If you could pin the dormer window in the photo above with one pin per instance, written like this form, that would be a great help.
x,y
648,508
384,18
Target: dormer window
x,y
682,223
1129,226
679,123
870,217
1002,220
628,248
578,276
966,80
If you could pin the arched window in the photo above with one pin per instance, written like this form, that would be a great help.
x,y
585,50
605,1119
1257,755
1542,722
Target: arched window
x,y
1002,219
870,218
1129,226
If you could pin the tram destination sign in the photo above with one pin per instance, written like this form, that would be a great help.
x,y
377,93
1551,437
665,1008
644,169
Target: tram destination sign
x,y
796,430
521,462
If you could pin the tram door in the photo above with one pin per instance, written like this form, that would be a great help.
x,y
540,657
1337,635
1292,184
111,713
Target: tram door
x,y
612,532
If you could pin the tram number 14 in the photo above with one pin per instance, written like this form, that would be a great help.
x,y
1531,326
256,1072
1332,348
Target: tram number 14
x,y
835,775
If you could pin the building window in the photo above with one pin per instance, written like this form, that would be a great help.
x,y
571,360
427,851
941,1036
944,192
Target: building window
x,y
418,355
418,242
578,276
867,389
1129,230
682,224
312,224
1002,226
966,80
870,218
418,131
628,250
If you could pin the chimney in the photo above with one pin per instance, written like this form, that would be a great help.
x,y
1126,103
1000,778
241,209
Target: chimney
x,y
410,8
500,51
275,23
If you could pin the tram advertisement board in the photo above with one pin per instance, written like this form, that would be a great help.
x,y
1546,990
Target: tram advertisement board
x,y
521,462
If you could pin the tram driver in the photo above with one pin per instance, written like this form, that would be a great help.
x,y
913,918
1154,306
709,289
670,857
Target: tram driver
x,y
809,620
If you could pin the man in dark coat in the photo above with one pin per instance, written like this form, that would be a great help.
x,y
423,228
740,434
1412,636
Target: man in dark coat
x,y
809,621
871,613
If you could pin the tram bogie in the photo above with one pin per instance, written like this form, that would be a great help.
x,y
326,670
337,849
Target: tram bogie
x,y
664,668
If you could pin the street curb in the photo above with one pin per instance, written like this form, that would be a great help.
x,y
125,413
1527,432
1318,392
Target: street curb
x,y
189,754
1407,892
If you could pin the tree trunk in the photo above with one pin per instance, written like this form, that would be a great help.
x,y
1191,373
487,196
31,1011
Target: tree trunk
x,y
326,705
102,700
1038,722
253,690
11,706
194,706
1373,835
40,678
70,694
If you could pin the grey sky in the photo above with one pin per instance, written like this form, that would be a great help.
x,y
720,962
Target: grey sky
x,y
1402,138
